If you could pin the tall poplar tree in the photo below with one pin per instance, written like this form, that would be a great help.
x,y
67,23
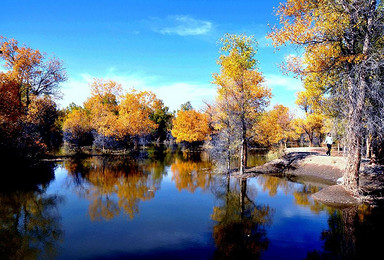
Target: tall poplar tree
x,y
240,86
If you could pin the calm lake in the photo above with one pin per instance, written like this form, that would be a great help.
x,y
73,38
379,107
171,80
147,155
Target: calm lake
x,y
167,205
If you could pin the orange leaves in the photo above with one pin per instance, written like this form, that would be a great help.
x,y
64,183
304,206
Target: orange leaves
x,y
191,126
10,103
21,60
30,70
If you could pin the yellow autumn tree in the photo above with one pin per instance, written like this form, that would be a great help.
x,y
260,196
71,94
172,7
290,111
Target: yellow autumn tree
x,y
190,126
311,101
311,125
135,112
102,106
77,124
241,91
275,126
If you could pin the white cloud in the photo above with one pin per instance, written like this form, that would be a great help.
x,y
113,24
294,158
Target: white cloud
x,y
274,81
284,89
75,90
177,93
182,25
173,94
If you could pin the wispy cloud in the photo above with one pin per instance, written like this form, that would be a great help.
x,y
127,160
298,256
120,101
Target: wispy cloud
x,y
182,25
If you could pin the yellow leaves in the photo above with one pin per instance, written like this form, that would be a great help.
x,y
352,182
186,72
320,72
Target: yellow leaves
x,y
77,123
274,126
238,55
102,115
312,121
312,124
321,57
191,126
107,91
134,112
319,25
295,20
112,114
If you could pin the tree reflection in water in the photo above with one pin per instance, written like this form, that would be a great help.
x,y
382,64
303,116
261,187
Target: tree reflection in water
x,y
29,218
240,230
354,233
190,175
115,185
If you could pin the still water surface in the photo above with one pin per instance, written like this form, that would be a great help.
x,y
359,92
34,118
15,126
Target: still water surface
x,y
173,206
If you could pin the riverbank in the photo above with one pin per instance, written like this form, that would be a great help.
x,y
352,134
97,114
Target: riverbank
x,y
311,165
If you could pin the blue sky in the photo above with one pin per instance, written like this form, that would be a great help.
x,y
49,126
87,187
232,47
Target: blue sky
x,y
167,46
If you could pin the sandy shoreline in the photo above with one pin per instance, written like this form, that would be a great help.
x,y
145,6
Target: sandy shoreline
x,y
312,165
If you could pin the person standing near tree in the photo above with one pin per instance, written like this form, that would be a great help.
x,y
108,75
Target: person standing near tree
x,y
329,142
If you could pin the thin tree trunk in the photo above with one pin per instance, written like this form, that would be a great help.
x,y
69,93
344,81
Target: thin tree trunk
x,y
243,194
228,155
243,155
243,147
369,145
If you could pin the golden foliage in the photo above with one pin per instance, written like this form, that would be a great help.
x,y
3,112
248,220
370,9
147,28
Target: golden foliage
x,y
191,126
28,67
102,106
311,125
77,123
274,126
135,110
